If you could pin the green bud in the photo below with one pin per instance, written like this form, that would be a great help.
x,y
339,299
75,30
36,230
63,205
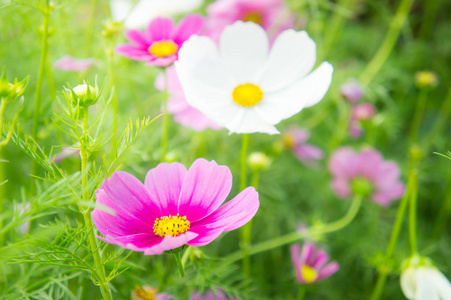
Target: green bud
x,y
426,79
84,95
258,161
12,90
111,29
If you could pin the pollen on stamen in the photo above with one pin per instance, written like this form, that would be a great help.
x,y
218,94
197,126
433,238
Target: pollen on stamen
x,y
171,225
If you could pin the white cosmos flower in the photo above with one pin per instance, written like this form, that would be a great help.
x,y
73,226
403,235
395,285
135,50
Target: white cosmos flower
x,y
245,87
137,14
424,282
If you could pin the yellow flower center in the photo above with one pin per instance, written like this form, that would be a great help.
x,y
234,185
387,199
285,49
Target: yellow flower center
x,y
288,140
309,274
163,48
253,17
144,293
247,94
172,225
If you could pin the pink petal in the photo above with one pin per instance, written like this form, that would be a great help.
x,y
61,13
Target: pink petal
x,y
308,252
68,63
138,38
230,216
189,116
344,163
320,260
189,25
308,152
161,61
160,29
135,242
164,184
389,174
171,242
370,162
173,83
204,189
295,259
341,187
328,271
132,52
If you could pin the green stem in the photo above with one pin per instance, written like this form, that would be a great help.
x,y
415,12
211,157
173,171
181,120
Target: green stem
x,y
42,66
105,290
343,122
440,122
165,129
413,216
387,46
243,161
179,264
377,292
301,292
335,25
295,236
421,103
114,105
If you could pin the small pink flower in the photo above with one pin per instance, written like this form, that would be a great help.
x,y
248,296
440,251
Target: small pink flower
x,y
69,63
67,151
160,43
360,113
147,292
218,295
368,168
270,14
295,138
352,91
310,265
183,113
174,207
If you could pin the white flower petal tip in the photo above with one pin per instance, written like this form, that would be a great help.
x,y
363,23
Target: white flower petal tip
x,y
246,88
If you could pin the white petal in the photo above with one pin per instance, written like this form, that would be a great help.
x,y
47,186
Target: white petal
x,y
244,50
287,102
442,285
250,121
292,56
119,9
408,283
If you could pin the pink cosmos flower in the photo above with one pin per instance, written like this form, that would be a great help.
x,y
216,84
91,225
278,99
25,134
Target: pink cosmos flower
x,y
310,265
360,113
365,168
272,15
352,91
183,113
160,43
69,63
174,207
218,295
295,138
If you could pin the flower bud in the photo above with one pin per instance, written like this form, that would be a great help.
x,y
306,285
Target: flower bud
x,y
111,29
10,90
361,186
364,111
426,79
258,161
352,91
84,95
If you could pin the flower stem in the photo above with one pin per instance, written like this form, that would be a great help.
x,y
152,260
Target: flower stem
x,y
301,292
165,129
114,105
385,49
421,102
179,264
413,215
377,292
42,66
295,236
105,290
243,160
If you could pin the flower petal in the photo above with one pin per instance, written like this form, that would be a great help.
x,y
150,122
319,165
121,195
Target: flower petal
x,y
132,52
307,254
189,25
295,259
328,270
138,38
341,187
244,50
204,189
160,29
230,216
370,162
247,120
164,184
171,242
292,56
135,242
344,163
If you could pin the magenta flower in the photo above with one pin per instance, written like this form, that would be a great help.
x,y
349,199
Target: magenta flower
x,y
310,266
360,113
365,171
352,91
183,113
174,207
218,295
272,15
295,138
160,43
69,63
